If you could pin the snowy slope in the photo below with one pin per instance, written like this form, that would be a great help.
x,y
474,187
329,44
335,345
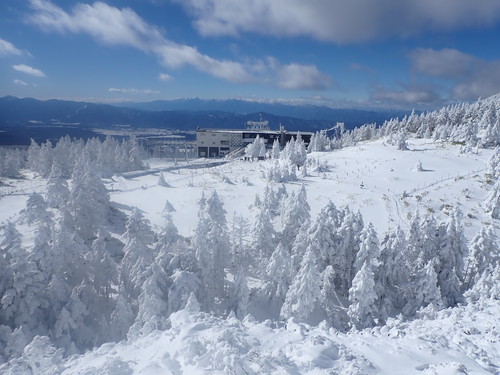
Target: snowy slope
x,y
456,341
448,178
377,179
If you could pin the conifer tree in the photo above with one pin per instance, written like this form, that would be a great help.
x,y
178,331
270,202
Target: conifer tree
x,y
212,251
57,187
484,252
492,202
263,235
275,151
323,239
426,290
296,215
138,255
452,253
304,295
240,294
363,310
347,249
394,273
278,276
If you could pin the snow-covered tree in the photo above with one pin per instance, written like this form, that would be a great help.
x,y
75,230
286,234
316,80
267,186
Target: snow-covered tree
x,y
138,255
452,253
89,199
275,151
425,290
304,294
494,165
161,180
492,202
153,302
36,210
363,310
484,252
347,249
369,249
323,236
240,295
256,148
394,273
278,276
296,215
262,235
57,188
211,244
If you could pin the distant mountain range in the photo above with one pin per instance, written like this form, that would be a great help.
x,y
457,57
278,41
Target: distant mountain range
x,y
182,114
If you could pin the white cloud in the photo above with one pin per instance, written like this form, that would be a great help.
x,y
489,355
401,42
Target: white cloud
x,y
7,48
110,25
113,26
302,77
471,77
134,91
407,95
448,63
20,83
341,21
165,77
28,70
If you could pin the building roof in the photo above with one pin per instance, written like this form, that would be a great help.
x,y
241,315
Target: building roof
x,y
238,131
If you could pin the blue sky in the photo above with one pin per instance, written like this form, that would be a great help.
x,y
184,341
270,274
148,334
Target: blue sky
x,y
341,53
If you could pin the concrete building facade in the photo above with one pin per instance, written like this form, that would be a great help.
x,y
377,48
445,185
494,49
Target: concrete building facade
x,y
216,143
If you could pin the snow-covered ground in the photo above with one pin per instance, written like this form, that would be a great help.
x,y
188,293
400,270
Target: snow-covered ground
x,y
370,177
383,183
463,340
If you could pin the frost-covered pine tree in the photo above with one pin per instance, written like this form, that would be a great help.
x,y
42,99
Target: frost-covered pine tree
x,y
262,241
161,180
491,134
57,187
331,302
104,275
36,210
212,251
492,202
240,296
323,239
299,247
369,249
394,275
304,294
138,255
89,199
363,310
183,285
153,302
425,289
275,151
296,215
21,286
169,233
416,250
494,165
300,151
347,249
484,252
278,276
452,253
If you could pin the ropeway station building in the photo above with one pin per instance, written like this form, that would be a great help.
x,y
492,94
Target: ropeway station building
x,y
216,143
